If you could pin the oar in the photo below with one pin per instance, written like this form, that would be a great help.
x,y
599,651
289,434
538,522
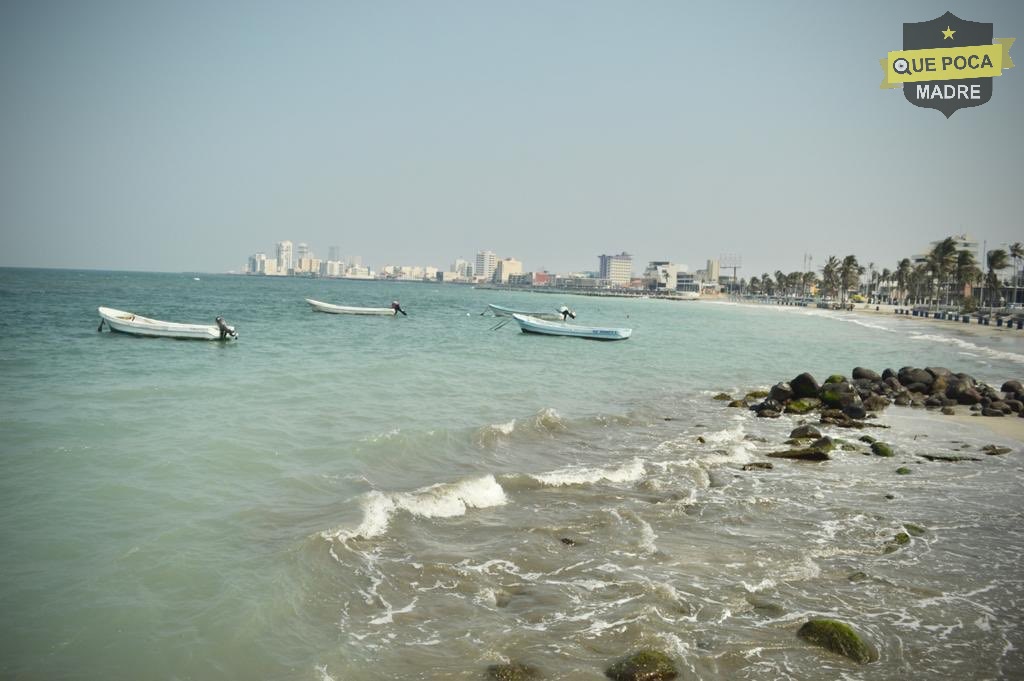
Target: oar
x,y
500,324
100,327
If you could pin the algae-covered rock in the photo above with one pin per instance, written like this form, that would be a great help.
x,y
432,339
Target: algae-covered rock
x,y
867,438
512,672
836,378
858,576
723,397
804,385
901,538
743,404
902,470
994,450
914,530
802,405
643,665
805,430
881,449
756,395
758,466
839,638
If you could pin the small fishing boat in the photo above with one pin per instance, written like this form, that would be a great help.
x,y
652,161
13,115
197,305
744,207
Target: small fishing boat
x,y
343,309
126,322
502,311
533,325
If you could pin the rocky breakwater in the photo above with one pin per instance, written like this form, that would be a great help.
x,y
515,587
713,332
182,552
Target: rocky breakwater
x,y
852,402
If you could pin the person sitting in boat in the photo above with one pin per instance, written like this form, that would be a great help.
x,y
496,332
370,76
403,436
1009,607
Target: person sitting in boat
x,y
566,313
397,308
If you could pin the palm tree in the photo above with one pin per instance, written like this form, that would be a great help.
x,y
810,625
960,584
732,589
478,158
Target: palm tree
x,y
766,284
849,274
886,277
966,270
830,276
809,280
903,271
997,259
1017,253
755,284
941,261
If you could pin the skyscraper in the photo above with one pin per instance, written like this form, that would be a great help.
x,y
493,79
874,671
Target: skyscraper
x,y
486,263
284,256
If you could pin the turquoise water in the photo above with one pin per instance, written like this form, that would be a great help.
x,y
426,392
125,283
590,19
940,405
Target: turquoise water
x,y
349,498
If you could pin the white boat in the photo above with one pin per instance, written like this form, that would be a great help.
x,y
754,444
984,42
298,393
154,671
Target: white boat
x,y
342,309
533,325
126,322
502,311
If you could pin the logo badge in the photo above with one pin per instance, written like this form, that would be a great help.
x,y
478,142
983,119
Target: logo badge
x,y
947,63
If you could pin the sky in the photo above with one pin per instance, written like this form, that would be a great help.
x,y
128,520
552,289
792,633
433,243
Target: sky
x,y
188,135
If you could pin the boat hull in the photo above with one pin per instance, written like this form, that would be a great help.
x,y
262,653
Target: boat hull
x,y
343,309
546,328
137,325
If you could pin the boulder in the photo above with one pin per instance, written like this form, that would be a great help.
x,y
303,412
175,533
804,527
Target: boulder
x,y
805,430
756,395
914,530
772,414
1015,405
902,470
876,403
948,411
816,451
840,638
989,411
881,449
994,450
939,372
909,375
1014,387
739,403
767,404
722,397
802,405
866,438
967,396
643,665
947,457
781,392
887,374
861,372
804,385
758,466
836,378
855,411
902,400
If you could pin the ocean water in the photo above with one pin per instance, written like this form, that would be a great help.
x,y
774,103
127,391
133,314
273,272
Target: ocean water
x,y
419,497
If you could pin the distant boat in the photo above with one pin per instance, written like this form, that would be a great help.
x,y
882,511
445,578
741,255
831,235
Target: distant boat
x,y
533,325
342,309
502,311
126,322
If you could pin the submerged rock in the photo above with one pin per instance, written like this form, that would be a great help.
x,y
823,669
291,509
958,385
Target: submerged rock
x,y
902,470
738,403
758,466
756,395
881,449
866,438
723,397
993,450
947,457
802,405
643,665
512,671
805,430
840,638
914,530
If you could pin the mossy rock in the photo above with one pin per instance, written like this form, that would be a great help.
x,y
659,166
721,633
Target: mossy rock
x,y
836,378
914,530
858,576
722,397
994,450
867,438
839,638
643,665
756,395
742,404
881,449
802,405
902,470
512,672
901,538
848,447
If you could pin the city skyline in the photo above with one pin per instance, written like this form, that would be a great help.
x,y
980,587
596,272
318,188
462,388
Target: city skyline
x,y
413,133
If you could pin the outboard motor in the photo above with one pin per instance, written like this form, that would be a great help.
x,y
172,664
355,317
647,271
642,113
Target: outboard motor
x,y
566,313
225,330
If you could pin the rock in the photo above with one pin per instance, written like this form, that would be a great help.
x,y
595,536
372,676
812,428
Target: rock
x,y
781,392
866,438
990,411
919,388
902,400
1015,405
804,385
890,497
947,457
939,372
908,376
933,402
881,449
568,542
700,439
901,538
805,431
1001,406
722,397
902,470
512,671
763,606
836,394
948,411
840,638
858,576
816,451
917,403
739,403
914,530
861,372
758,466
772,414
887,374
643,665
767,404
876,403
836,378
993,450
802,405
855,411
756,395
1014,387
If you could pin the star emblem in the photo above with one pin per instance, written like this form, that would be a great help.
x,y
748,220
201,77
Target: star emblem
x,y
947,34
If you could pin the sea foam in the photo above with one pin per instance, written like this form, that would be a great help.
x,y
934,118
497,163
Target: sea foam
x,y
634,470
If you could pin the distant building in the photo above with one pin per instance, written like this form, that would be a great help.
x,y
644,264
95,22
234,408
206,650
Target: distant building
x,y
660,275
304,252
486,263
962,242
712,273
462,269
284,256
507,267
618,269
334,253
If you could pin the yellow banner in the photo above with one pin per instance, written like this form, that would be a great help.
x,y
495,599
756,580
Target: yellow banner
x,y
947,63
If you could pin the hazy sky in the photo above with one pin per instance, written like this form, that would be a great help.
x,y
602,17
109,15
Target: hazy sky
x,y
184,135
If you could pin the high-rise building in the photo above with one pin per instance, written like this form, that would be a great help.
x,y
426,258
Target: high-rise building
x,y
617,269
334,253
304,252
712,272
486,263
284,256
461,268
505,268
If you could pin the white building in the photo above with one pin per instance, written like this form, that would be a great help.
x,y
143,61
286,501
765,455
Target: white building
x,y
712,272
486,263
284,256
661,275
617,269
